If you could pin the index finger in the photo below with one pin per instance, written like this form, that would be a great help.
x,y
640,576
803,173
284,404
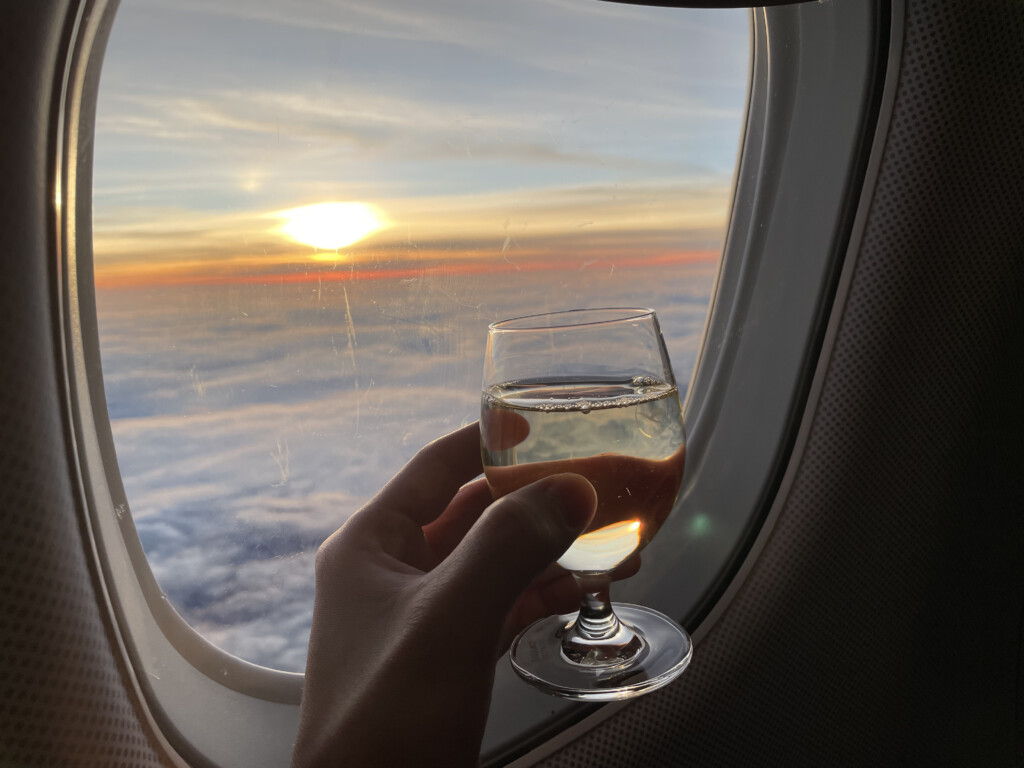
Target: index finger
x,y
425,486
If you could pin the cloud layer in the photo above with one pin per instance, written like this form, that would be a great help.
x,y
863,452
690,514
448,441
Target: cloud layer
x,y
251,421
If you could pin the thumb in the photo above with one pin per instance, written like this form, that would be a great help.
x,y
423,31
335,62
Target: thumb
x,y
515,539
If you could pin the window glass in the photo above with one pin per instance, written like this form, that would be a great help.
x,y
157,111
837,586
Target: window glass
x,y
307,213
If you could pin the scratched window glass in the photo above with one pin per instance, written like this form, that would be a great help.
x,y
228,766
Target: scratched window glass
x,y
306,214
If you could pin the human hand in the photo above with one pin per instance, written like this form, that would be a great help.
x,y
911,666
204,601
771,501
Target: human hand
x,y
416,597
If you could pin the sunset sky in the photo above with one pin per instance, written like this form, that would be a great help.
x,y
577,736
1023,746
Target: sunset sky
x,y
480,129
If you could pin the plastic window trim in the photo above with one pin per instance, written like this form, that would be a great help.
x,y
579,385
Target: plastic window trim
x,y
173,663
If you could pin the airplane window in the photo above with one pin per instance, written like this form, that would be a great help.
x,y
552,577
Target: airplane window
x,y
306,214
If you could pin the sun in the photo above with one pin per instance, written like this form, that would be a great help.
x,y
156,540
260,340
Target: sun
x,y
330,226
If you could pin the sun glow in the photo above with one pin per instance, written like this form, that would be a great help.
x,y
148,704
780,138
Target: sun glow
x,y
330,226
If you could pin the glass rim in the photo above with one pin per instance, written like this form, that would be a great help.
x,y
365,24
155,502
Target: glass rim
x,y
619,315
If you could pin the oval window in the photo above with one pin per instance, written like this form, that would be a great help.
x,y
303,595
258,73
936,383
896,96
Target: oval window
x,y
306,215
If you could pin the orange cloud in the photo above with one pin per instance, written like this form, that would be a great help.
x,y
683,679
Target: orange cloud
x,y
531,230
320,273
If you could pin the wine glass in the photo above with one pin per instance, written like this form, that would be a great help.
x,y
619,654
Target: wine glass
x,y
591,391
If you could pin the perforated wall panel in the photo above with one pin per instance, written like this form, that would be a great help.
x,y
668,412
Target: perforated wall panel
x,y
881,623
64,697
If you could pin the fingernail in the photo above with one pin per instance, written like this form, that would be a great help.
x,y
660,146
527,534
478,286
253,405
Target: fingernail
x,y
575,497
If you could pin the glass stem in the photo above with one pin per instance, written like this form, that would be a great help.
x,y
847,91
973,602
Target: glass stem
x,y
597,620
597,638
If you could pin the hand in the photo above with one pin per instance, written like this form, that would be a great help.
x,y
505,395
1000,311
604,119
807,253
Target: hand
x,y
416,597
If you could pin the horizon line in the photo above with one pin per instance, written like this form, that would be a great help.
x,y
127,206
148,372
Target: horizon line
x,y
325,270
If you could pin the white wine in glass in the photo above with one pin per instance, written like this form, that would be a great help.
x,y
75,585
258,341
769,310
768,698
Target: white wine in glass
x,y
591,392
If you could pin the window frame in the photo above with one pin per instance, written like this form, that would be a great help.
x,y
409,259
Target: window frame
x,y
816,87
823,80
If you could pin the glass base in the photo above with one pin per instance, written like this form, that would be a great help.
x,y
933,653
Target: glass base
x,y
537,656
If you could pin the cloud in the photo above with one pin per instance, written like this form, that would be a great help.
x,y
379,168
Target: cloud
x,y
247,429
214,136
636,218
512,31
211,114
